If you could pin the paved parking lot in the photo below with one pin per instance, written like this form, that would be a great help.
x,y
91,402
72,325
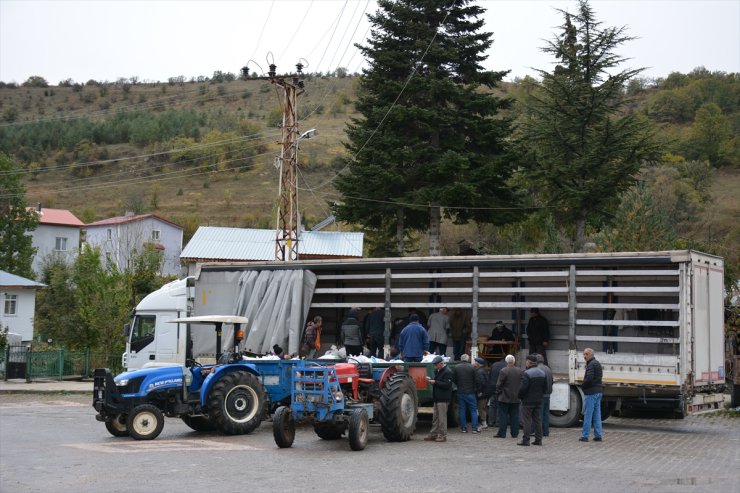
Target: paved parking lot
x,y
51,442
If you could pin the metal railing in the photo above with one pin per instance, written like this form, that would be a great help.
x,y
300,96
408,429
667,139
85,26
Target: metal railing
x,y
23,362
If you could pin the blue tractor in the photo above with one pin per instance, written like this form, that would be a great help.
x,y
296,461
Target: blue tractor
x,y
317,397
229,396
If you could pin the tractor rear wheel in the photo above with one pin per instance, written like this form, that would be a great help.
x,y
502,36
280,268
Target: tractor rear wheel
x,y
283,427
330,431
358,429
145,422
198,423
117,426
398,408
237,403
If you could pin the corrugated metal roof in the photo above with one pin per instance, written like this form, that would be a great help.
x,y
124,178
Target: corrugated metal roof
x,y
214,243
8,280
129,219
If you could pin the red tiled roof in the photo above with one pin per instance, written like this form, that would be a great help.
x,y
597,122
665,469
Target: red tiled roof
x,y
60,217
129,219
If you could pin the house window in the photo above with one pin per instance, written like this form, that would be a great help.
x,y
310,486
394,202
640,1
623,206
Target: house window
x,y
11,304
61,244
110,234
156,234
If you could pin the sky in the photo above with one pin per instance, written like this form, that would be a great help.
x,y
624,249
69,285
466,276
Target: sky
x,y
159,39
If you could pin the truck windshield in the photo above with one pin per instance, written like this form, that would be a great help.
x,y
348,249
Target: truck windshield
x,y
142,333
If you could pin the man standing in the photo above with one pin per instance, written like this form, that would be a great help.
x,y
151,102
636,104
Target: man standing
x,y
413,341
375,329
538,333
441,395
534,386
352,334
545,398
439,327
466,401
460,330
507,391
592,391
481,391
491,391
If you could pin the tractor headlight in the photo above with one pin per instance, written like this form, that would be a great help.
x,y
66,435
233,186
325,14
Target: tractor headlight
x,y
338,396
122,383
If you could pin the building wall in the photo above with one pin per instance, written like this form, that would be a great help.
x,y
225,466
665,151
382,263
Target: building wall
x,y
22,322
128,238
44,240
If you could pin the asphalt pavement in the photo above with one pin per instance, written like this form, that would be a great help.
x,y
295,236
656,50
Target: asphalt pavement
x,y
44,386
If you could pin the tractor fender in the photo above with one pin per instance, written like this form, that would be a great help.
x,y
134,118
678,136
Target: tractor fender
x,y
219,372
388,373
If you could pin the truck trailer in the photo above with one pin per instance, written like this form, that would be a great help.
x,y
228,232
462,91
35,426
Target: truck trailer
x,y
654,319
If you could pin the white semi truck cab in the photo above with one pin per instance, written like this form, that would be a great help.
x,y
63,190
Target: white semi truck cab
x,y
149,338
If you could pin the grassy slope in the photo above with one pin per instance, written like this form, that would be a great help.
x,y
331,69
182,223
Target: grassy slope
x,y
246,199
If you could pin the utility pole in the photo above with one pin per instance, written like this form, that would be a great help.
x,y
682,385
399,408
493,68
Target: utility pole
x,y
288,216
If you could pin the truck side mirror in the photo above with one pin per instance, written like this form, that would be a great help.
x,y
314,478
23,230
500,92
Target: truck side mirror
x,y
126,330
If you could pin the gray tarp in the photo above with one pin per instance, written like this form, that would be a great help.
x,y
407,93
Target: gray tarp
x,y
276,304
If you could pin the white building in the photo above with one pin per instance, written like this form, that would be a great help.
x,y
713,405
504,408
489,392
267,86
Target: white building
x,y
121,238
18,298
57,235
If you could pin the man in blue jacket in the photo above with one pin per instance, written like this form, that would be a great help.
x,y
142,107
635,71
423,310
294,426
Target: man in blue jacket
x,y
413,341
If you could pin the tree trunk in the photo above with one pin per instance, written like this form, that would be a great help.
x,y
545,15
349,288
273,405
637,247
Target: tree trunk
x,y
580,239
435,216
399,231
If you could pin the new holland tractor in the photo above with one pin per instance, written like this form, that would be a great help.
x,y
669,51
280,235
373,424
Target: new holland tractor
x,y
227,396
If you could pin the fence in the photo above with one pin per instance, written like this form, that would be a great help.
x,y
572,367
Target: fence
x,y
23,362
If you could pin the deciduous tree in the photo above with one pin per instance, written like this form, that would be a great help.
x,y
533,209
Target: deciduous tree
x,y
16,221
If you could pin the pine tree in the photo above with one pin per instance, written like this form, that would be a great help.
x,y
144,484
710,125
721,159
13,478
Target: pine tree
x,y
583,151
430,137
16,247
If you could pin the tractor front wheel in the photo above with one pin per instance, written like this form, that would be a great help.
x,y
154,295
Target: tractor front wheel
x,y
117,426
145,422
358,429
283,427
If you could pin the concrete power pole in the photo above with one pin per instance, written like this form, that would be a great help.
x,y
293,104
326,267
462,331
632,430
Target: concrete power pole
x,y
288,216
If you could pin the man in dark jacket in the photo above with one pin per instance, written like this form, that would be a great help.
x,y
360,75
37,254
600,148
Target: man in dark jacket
x,y
352,334
546,397
465,380
538,333
592,391
533,387
441,395
491,391
460,328
507,392
481,391
374,327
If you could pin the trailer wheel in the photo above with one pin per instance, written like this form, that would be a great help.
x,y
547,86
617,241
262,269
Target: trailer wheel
x,y
398,408
237,403
330,431
571,417
283,427
145,422
198,423
358,428
117,426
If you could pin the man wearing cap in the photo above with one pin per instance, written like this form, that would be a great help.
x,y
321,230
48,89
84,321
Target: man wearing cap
x,y
466,401
533,387
481,391
413,341
546,397
441,395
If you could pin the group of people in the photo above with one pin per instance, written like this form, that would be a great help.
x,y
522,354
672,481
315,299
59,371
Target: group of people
x,y
513,397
